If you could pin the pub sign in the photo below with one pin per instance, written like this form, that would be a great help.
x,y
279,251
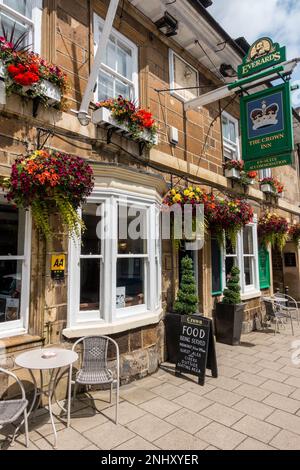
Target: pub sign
x,y
267,132
262,54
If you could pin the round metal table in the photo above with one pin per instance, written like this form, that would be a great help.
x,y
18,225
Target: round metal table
x,y
52,359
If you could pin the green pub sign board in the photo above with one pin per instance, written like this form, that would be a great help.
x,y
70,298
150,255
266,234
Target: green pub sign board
x,y
267,132
262,54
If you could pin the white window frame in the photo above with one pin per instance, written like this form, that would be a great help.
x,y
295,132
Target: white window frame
x,y
34,23
173,92
247,291
20,326
108,313
265,173
228,144
254,287
134,83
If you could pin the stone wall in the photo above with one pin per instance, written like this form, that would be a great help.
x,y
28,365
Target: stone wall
x,y
71,47
141,352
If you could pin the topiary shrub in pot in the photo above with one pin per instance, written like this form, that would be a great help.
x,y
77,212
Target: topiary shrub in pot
x,y
186,304
229,313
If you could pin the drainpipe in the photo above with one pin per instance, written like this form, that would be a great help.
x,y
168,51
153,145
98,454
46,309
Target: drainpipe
x,y
83,115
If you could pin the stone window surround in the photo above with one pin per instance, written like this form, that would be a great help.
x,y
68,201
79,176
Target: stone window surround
x,y
178,94
34,24
150,193
247,292
20,327
134,83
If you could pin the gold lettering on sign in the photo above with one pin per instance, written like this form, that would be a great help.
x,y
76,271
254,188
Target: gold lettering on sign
x,y
265,142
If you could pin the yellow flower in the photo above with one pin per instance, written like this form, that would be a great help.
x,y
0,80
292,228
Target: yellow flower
x,y
173,192
190,188
198,190
186,192
177,198
192,195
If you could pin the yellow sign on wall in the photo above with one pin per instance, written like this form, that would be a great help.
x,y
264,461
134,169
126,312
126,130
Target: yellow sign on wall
x,y
58,264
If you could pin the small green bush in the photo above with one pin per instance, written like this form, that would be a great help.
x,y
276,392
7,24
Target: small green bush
x,y
187,300
232,292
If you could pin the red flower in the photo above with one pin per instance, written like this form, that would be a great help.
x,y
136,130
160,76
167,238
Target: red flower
x,y
14,70
34,69
26,79
145,118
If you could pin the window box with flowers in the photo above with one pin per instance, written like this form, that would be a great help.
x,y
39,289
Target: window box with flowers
x,y
124,117
251,175
271,186
29,75
50,183
233,169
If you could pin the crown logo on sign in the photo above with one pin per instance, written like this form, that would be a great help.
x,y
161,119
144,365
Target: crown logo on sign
x,y
266,116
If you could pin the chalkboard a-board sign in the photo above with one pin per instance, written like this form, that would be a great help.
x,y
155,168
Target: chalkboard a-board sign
x,y
196,348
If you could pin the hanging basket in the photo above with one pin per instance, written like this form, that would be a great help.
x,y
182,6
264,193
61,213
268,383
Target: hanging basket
x,y
228,216
274,230
50,182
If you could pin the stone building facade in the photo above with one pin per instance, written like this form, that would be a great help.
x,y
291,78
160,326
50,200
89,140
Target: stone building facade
x,y
68,32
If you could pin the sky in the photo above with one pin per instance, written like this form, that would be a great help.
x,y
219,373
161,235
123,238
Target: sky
x,y
277,19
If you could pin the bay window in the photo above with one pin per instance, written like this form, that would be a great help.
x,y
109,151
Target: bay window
x,y
118,73
14,269
25,16
230,131
114,271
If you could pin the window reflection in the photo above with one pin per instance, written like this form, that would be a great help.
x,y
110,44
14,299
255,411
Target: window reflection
x,y
91,243
89,284
132,231
130,282
10,290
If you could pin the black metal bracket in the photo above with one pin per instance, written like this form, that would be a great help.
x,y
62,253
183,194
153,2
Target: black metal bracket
x,y
42,137
142,145
110,131
35,106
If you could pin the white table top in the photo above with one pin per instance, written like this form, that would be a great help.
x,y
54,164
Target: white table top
x,y
34,359
276,298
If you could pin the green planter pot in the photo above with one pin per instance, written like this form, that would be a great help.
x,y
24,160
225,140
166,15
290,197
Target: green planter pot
x,y
228,322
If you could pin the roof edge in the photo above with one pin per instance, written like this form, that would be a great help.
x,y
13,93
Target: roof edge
x,y
210,19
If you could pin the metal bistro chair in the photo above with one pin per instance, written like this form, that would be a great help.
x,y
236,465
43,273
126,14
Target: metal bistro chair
x,y
289,304
11,410
275,311
94,368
